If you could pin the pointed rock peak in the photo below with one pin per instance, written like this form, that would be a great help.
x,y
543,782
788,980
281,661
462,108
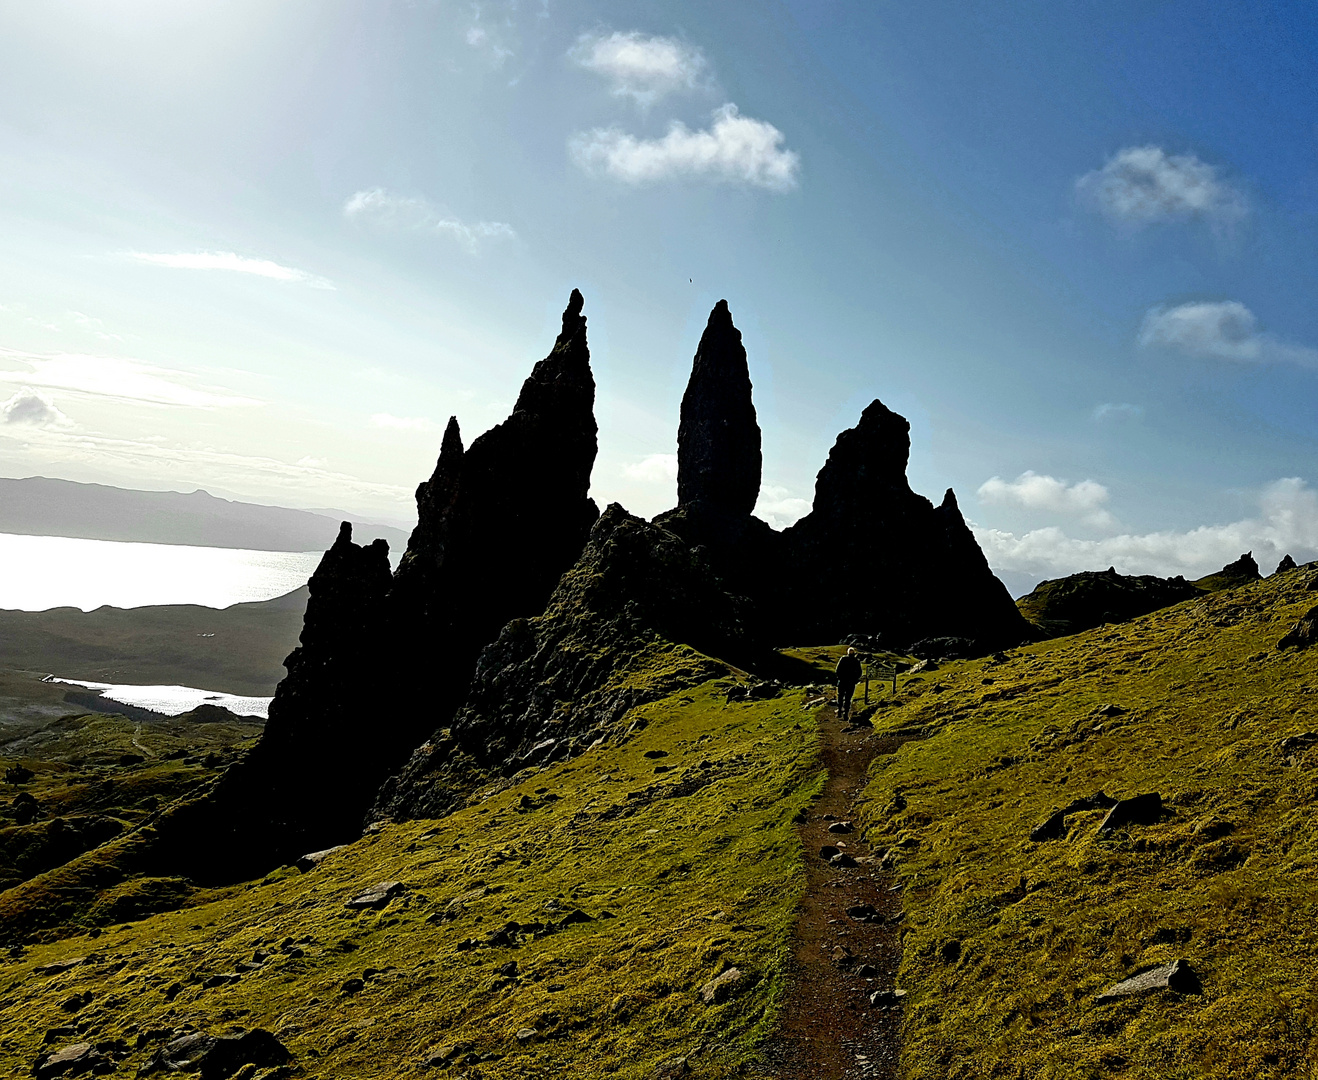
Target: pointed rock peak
x,y
949,501
574,324
345,534
452,444
718,440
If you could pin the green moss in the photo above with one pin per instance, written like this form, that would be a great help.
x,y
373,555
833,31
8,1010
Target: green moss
x,y
687,863
1008,941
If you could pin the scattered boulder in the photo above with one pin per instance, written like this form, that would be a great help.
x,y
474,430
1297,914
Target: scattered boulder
x,y
1139,810
864,913
843,861
313,859
721,987
887,999
1055,827
217,1057
448,1053
527,1036
828,851
1176,976
1293,743
1303,634
25,808
840,827
55,967
377,896
70,1061
18,775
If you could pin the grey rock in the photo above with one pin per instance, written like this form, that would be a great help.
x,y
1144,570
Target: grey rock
x,y
218,1057
377,896
1177,976
57,966
721,987
527,1036
887,999
843,861
313,859
840,827
68,1061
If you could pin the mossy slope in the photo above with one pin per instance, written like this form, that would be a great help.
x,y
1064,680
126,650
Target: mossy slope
x,y
1008,941
683,834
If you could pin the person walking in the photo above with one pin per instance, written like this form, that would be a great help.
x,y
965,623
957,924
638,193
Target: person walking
x,y
847,673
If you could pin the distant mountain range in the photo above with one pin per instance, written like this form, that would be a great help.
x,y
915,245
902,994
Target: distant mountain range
x,y
39,506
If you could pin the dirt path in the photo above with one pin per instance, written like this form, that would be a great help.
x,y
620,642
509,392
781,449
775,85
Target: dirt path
x,y
830,1030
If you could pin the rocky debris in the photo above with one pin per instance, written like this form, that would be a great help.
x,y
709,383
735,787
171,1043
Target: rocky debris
x,y
718,438
221,979
448,1053
1055,827
377,896
1082,601
867,971
840,827
1139,810
865,913
843,861
1303,634
721,987
353,986
313,859
527,1036
1176,976
755,690
887,999
828,851
1287,563
217,1057
1241,572
56,967
892,563
637,587
1293,743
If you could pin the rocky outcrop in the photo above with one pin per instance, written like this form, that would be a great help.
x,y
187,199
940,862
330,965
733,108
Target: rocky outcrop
x,y
1234,574
718,438
1287,563
874,558
498,523
1082,601
622,628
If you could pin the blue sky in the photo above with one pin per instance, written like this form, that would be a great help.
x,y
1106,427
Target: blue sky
x,y
267,249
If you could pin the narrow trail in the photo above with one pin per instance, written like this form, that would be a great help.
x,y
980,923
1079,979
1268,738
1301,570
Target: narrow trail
x,y
830,1031
136,732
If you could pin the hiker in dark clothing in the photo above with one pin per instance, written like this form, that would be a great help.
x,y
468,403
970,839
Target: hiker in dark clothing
x,y
848,673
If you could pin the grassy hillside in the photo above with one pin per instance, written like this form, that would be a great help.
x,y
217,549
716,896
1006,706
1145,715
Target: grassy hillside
x,y
679,845
1009,940
235,650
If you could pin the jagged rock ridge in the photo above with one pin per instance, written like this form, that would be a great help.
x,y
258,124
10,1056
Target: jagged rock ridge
x,y
1081,601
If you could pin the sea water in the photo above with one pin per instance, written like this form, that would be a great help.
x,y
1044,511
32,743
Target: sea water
x,y
173,700
40,572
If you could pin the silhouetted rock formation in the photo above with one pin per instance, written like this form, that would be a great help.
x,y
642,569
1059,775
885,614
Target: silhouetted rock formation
x,y
1241,572
497,526
1081,601
718,438
607,642
1287,563
874,558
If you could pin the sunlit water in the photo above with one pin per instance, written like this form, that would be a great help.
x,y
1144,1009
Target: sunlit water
x,y
174,700
40,572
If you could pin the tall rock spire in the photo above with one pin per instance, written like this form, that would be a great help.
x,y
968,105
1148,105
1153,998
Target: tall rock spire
x,y
718,440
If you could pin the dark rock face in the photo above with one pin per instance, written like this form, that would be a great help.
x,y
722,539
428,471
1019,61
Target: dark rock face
x,y
498,523
637,587
872,557
1241,572
1082,601
1303,634
718,439
1287,563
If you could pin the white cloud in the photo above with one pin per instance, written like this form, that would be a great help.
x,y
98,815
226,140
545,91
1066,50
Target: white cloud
x,y
480,39
735,149
227,260
1225,329
1287,523
1112,410
417,215
779,507
1033,491
1141,185
653,469
113,377
403,423
32,408
641,67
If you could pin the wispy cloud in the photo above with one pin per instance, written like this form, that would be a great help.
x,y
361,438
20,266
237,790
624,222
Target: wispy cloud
x,y
1224,329
642,67
779,506
1141,185
32,408
386,209
482,40
1034,491
227,260
1287,523
401,423
114,377
1117,410
653,469
734,149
